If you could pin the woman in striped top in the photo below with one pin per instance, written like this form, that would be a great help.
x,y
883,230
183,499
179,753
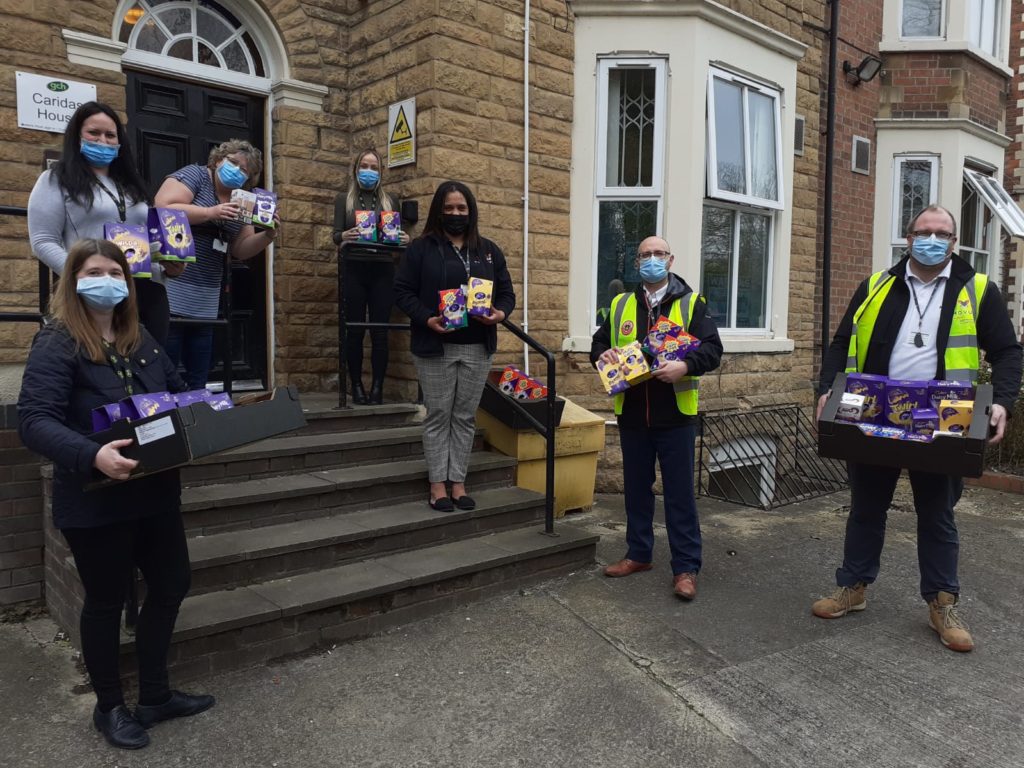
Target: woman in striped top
x,y
204,194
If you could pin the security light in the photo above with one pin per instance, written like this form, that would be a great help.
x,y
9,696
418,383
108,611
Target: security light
x,y
863,72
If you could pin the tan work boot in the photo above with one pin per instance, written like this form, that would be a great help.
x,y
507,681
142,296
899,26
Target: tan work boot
x,y
841,602
952,629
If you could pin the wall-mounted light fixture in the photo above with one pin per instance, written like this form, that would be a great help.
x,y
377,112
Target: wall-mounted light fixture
x,y
868,68
133,14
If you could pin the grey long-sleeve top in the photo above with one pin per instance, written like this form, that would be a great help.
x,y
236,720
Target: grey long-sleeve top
x,y
55,221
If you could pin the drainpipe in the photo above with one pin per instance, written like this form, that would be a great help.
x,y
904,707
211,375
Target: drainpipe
x,y
830,152
526,184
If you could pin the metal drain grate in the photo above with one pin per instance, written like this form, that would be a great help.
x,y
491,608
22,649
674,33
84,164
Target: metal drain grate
x,y
764,457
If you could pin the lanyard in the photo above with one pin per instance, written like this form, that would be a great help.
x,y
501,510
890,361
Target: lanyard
x,y
121,367
463,258
918,339
119,201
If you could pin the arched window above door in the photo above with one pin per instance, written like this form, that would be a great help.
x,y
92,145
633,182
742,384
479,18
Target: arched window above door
x,y
196,31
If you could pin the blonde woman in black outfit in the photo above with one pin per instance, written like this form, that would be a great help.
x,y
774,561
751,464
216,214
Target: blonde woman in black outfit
x,y
368,276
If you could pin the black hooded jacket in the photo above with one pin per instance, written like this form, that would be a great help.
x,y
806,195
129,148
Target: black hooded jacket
x,y
653,403
995,332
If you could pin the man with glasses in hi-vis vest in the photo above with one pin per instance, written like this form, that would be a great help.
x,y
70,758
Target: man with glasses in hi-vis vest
x,y
658,418
926,318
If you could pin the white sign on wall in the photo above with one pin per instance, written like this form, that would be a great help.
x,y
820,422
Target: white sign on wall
x,y
402,133
46,103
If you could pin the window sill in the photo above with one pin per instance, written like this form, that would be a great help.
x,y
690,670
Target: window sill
x,y
944,46
732,344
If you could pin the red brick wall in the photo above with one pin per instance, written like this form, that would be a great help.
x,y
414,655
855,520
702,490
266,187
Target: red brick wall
x,y
1013,168
931,85
853,193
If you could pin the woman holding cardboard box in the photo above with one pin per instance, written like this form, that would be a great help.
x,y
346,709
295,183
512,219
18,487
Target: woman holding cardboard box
x,y
369,275
452,350
95,352
96,183
203,192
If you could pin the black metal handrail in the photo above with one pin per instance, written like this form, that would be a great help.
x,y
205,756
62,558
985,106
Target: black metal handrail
x,y
547,430
44,282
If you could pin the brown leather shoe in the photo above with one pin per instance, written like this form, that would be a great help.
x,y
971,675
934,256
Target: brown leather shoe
x,y
685,585
626,567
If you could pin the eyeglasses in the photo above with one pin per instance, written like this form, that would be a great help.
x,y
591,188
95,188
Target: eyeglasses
x,y
663,255
938,235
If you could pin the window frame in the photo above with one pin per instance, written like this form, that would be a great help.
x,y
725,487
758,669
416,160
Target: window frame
x,y
943,23
772,217
970,253
975,28
899,239
603,193
711,160
604,66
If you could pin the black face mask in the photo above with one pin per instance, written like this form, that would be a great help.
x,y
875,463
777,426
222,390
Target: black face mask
x,y
454,224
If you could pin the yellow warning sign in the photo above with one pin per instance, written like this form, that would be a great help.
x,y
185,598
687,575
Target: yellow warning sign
x,y
402,133
401,130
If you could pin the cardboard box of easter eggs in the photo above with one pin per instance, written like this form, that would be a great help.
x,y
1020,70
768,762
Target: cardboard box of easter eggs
x,y
959,450
174,437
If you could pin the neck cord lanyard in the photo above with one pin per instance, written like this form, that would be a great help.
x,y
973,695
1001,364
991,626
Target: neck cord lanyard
x,y
918,339
119,201
463,258
121,367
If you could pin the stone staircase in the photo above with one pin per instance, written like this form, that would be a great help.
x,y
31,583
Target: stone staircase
x,y
324,535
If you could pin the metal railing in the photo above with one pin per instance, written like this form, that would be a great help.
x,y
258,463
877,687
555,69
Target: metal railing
x,y
546,430
764,457
44,282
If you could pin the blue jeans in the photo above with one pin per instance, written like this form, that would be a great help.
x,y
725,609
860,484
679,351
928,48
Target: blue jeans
x,y
673,449
938,542
192,346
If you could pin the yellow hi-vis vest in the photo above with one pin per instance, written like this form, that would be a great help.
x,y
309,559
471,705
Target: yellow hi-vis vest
x,y
623,331
961,360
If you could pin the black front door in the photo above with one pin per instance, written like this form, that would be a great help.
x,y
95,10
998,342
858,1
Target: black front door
x,y
173,124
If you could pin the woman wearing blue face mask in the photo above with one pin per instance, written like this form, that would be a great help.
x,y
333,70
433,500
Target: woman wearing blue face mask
x,y
94,352
204,194
368,275
94,183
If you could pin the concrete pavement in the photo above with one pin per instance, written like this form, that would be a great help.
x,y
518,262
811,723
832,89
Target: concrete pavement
x,y
590,671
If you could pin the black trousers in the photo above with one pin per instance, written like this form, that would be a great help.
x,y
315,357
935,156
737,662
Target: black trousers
x,y
154,311
104,557
938,542
369,290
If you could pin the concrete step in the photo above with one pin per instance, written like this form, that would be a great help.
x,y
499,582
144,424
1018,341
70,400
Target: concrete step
x,y
215,508
305,453
244,557
293,453
323,415
235,628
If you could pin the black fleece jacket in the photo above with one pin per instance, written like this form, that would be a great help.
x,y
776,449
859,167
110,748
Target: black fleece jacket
x,y
429,265
995,332
59,389
652,404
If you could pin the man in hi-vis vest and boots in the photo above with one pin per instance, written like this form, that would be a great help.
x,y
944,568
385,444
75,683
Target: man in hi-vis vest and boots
x,y
926,318
658,418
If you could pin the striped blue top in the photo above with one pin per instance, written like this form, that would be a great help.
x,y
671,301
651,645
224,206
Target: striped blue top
x,y
197,292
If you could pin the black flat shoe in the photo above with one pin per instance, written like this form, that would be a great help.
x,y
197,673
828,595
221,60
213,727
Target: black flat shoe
x,y
444,504
119,728
179,705
465,502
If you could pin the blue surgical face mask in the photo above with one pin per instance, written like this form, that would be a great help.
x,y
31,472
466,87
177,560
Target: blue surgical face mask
x,y
103,292
367,178
929,251
231,176
653,269
99,155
